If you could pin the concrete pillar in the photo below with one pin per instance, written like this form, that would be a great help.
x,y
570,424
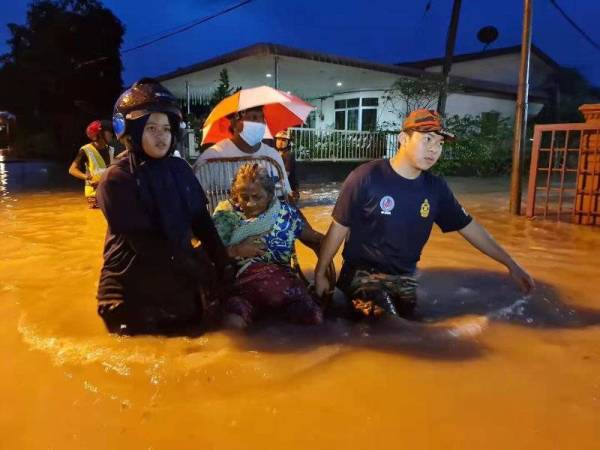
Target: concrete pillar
x,y
587,204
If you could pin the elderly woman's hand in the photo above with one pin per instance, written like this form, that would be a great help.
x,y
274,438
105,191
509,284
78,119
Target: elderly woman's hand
x,y
248,248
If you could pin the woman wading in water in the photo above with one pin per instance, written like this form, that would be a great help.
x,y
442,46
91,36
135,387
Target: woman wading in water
x,y
152,278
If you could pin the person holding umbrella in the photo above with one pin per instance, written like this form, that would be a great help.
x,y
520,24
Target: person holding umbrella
x,y
238,124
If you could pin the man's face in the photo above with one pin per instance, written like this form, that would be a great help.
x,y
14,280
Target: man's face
x,y
422,149
281,143
156,138
248,115
107,136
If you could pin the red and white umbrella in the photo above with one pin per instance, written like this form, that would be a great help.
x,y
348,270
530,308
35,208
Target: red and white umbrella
x,y
281,110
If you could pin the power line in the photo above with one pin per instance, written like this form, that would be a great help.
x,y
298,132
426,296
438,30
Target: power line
x,y
577,27
187,27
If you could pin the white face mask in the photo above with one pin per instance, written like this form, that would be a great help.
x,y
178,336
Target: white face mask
x,y
253,132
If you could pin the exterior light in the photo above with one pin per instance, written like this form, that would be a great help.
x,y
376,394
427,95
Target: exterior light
x,y
339,83
269,75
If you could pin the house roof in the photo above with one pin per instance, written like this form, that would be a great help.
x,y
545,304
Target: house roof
x,y
407,69
265,49
425,63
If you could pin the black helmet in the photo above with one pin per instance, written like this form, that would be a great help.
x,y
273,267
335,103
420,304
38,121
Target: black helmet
x,y
144,97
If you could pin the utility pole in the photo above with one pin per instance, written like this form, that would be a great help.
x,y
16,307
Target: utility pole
x,y
450,41
520,129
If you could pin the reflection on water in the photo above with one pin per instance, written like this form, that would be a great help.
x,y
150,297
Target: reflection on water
x,y
531,380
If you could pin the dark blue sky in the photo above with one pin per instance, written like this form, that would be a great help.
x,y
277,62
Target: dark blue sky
x,y
378,30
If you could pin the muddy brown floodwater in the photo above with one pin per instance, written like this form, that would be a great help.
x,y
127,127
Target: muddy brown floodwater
x,y
530,381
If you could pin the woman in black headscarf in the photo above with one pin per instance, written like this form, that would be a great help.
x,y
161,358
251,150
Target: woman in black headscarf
x,y
153,279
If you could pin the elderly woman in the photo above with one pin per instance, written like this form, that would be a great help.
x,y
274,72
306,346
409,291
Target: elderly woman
x,y
259,231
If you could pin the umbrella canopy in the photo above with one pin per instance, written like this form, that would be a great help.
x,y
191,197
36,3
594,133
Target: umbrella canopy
x,y
281,110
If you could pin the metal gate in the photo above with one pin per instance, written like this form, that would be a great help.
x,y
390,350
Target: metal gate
x,y
564,175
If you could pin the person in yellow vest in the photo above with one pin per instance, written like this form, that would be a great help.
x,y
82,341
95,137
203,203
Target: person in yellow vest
x,y
93,158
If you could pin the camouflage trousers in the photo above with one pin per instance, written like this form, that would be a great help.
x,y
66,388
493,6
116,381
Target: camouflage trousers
x,y
373,293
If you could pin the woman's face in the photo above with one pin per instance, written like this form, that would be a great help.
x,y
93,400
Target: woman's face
x,y
253,199
156,139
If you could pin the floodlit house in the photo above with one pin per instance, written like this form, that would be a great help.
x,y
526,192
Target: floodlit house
x,y
354,94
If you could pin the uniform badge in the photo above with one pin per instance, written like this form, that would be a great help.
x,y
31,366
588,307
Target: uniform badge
x,y
425,209
386,204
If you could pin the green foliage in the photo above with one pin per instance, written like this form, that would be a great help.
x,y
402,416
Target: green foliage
x,y
63,71
408,94
482,148
223,90
201,107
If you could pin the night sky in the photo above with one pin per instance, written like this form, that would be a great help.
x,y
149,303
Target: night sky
x,y
378,30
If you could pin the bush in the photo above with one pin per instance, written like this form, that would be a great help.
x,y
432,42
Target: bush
x,y
483,147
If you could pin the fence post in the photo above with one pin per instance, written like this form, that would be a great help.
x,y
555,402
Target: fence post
x,y
535,152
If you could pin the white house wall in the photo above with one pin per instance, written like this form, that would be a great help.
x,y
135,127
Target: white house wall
x,y
457,104
499,69
463,104
317,82
306,78
244,72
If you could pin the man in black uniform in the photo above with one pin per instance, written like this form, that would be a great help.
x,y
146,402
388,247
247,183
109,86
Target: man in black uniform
x,y
385,212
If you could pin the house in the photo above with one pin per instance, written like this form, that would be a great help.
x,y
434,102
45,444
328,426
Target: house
x,y
352,94
497,66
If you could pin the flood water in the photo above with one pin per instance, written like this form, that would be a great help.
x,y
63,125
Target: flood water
x,y
530,381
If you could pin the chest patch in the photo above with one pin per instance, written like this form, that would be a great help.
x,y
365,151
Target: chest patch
x,y
386,204
425,209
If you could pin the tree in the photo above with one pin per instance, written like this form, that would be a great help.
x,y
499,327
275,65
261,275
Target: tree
x,y
63,70
223,90
408,94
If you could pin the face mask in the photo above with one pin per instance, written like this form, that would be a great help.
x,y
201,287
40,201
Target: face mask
x,y
253,132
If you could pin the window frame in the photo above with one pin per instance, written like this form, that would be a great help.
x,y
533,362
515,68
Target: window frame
x,y
341,106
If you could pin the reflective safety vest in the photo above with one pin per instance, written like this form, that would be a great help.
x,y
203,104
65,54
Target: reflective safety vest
x,y
95,165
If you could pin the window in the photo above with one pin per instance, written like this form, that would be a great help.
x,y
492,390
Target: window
x,y
352,120
340,120
369,119
372,101
356,114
